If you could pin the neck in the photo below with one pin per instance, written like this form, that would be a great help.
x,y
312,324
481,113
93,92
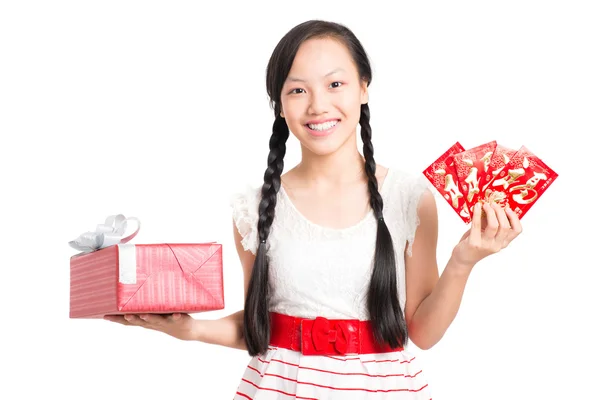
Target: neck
x,y
346,165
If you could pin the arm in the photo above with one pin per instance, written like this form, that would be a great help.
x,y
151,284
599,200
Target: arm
x,y
433,301
228,331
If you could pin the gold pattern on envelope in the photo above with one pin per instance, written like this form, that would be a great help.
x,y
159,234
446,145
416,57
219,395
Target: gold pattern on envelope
x,y
529,186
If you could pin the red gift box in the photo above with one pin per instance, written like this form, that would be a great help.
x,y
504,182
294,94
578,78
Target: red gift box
x,y
112,276
147,278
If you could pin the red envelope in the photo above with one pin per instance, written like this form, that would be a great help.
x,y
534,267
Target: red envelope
x,y
442,175
521,182
501,157
472,166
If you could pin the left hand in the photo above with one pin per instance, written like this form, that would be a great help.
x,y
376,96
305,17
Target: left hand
x,y
179,325
499,228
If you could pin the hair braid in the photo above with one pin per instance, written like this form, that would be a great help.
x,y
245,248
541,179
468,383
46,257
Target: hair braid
x,y
383,305
370,165
257,324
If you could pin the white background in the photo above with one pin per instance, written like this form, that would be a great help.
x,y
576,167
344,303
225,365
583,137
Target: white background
x,y
158,110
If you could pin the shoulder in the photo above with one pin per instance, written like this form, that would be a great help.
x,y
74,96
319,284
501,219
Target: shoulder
x,y
411,203
408,187
244,202
244,205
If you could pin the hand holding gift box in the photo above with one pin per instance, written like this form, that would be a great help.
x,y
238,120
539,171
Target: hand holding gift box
x,y
490,173
114,277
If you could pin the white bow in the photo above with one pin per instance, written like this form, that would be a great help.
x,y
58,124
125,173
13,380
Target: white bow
x,y
107,234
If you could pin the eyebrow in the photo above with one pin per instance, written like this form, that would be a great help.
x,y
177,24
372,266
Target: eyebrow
x,y
294,79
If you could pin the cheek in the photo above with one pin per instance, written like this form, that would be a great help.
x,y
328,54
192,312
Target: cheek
x,y
350,104
293,110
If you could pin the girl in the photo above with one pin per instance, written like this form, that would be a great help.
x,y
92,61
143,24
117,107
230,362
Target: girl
x,y
339,253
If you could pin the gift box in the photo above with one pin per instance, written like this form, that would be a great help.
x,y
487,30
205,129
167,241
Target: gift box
x,y
492,173
111,276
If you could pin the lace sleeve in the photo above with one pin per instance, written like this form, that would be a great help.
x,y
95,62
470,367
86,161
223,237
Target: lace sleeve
x,y
244,206
417,186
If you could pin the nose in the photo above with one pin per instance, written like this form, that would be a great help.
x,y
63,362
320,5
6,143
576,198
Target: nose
x,y
318,103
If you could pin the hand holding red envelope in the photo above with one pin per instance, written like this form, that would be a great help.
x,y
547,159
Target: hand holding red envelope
x,y
490,173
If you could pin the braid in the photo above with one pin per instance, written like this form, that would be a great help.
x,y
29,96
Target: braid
x,y
383,305
272,177
370,165
257,324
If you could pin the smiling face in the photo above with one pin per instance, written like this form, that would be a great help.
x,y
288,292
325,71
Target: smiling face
x,y
322,95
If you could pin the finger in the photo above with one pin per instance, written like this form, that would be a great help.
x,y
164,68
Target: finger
x,y
120,319
153,319
515,223
135,320
465,235
503,222
492,222
176,317
475,233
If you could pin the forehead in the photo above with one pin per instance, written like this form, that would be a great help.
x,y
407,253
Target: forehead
x,y
317,57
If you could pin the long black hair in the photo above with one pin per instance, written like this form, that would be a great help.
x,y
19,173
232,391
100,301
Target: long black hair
x,y
384,308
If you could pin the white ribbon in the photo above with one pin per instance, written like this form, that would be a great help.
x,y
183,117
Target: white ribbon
x,y
107,234
127,264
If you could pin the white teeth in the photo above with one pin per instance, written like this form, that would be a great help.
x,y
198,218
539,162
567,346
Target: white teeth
x,y
322,127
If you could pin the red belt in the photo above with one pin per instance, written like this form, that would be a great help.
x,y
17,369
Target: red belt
x,y
323,336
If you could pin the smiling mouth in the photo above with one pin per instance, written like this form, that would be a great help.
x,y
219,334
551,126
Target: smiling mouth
x,y
324,126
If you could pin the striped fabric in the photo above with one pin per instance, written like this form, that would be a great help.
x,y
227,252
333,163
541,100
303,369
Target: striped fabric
x,y
286,374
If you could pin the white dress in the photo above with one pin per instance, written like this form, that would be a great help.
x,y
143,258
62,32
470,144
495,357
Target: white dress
x,y
319,271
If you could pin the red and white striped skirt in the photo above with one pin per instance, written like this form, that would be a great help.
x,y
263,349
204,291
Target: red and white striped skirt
x,y
288,374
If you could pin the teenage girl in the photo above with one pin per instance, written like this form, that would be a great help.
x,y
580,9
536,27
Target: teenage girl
x,y
338,253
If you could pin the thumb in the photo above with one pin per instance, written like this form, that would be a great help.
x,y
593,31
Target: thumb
x,y
465,235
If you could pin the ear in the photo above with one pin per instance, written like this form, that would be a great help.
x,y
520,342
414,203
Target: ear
x,y
281,114
364,92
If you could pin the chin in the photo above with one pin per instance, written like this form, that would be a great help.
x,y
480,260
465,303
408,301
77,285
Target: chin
x,y
321,151
324,148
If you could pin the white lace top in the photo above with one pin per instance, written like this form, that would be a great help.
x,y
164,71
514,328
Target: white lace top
x,y
320,271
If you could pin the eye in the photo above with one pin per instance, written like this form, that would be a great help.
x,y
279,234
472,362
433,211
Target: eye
x,y
336,84
295,91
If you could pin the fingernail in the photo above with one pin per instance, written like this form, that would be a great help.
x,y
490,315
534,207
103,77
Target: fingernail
x,y
144,317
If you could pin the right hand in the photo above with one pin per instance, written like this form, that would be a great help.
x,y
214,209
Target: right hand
x,y
488,235
178,325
